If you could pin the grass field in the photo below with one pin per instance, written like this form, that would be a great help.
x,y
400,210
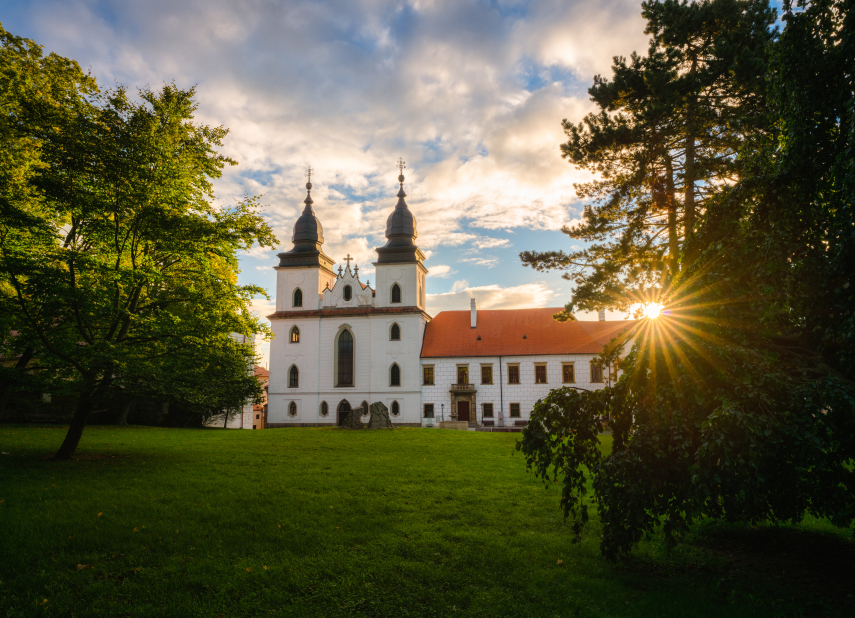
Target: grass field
x,y
324,522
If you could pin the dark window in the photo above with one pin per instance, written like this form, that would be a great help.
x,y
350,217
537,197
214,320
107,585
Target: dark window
x,y
295,335
253,426
348,292
325,409
257,416
294,377
569,375
486,374
596,373
488,410
396,409
345,359
298,297
427,375
396,333
396,293
428,410
540,374
395,375
515,410
292,410
463,375
513,374
364,406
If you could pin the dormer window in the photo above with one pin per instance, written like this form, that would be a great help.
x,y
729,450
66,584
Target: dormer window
x,y
395,333
396,293
348,292
295,335
298,298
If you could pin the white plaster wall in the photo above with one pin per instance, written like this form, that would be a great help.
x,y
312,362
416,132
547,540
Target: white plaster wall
x,y
311,280
406,275
284,354
526,393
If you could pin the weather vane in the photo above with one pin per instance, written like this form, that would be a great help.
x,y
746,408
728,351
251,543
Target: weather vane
x,y
309,172
401,165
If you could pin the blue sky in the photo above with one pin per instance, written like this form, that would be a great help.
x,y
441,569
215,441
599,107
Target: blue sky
x,y
470,93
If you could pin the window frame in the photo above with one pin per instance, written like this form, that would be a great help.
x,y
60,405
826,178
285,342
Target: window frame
x,y
293,377
432,375
337,351
400,294
347,293
294,299
516,367
425,411
395,409
599,369
292,409
572,367
488,366
325,409
457,373
511,411
392,376
295,330
484,410
392,332
545,373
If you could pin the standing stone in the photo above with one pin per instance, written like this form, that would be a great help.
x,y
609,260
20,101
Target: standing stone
x,y
353,420
379,417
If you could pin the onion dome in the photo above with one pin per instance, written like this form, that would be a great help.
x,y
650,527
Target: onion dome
x,y
400,231
308,231
308,237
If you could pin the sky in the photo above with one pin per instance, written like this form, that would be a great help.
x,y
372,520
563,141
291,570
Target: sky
x,y
471,94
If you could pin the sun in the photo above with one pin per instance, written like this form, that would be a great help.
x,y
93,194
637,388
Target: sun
x,y
652,310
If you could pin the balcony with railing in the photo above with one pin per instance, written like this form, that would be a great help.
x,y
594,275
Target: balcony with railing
x,y
462,388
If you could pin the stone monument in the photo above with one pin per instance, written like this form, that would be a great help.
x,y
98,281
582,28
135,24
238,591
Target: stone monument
x,y
379,416
353,420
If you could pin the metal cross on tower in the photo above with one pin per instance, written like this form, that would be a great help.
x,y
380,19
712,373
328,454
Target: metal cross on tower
x,y
401,165
309,172
347,259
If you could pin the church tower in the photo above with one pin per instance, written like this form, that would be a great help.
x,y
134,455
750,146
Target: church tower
x,y
305,270
400,274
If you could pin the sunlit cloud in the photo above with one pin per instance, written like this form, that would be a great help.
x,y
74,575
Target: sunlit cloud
x,y
490,297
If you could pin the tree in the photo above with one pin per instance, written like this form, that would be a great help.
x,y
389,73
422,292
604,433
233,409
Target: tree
x,y
664,144
740,403
134,265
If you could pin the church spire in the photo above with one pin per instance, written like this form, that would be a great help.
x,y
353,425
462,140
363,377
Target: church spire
x,y
308,235
400,230
309,201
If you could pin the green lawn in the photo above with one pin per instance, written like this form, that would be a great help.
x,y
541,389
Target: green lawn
x,y
321,522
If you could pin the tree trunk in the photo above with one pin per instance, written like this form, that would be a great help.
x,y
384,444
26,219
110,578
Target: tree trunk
x,y
85,404
226,422
122,416
673,239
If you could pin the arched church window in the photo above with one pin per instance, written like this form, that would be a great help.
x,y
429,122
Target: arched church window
x,y
295,335
396,409
348,292
345,359
298,298
395,333
294,377
396,293
292,409
395,375
325,409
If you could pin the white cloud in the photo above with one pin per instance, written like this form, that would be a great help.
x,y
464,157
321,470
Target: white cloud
x,y
489,262
440,271
457,286
490,243
490,297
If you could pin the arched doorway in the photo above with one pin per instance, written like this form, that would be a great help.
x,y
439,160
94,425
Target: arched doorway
x,y
343,409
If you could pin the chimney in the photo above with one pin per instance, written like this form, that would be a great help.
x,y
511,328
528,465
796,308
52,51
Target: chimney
x,y
602,315
474,313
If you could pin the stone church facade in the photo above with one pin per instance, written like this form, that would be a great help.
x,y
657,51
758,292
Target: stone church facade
x,y
340,343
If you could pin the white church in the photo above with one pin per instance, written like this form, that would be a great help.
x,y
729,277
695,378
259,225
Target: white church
x,y
340,343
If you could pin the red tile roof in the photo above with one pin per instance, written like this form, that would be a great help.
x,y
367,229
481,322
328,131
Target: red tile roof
x,y
261,372
501,332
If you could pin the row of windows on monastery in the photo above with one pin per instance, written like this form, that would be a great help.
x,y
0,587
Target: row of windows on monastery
x,y
568,373
486,410
394,333
347,294
345,375
344,406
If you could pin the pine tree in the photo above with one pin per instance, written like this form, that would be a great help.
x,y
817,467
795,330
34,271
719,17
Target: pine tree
x,y
665,141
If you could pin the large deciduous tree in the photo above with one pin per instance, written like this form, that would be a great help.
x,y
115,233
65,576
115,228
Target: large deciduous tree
x,y
740,403
129,270
663,145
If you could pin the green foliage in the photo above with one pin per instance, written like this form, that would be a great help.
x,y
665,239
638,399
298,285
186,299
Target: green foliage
x,y
739,402
663,145
125,276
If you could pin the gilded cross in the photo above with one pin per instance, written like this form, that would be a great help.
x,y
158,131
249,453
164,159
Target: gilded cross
x,y
347,259
401,165
309,172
